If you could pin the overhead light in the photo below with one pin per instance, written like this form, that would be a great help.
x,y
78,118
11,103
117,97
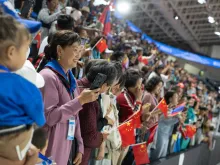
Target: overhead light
x,y
211,19
202,1
123,7
176,17
217,33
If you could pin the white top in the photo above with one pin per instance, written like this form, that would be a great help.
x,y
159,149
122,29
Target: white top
x,y
163,77
43,45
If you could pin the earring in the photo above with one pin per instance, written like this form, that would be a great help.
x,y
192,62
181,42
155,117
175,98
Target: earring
x,y
58,58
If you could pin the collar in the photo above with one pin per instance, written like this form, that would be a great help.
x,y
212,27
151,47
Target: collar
x,y
54,65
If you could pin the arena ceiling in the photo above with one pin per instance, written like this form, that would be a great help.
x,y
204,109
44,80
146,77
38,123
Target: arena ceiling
x,y
191,31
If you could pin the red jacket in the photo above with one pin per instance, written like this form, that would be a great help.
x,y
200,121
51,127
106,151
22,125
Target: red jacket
x,y
127,105
92,138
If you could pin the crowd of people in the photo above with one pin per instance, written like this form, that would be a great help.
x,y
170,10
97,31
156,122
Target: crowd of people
x,y
48,103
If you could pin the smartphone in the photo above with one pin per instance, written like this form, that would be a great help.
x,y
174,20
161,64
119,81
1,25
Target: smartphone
x,y
27,9
99,81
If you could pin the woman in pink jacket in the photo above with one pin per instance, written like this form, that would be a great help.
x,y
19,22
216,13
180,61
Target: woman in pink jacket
x,y
62,100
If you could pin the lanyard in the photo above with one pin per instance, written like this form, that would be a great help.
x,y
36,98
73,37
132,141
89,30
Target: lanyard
x,y
44,158
4,68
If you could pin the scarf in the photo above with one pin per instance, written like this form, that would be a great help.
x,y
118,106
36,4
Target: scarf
x,y
71,82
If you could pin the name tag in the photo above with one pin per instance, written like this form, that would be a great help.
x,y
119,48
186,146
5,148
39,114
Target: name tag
x,y
71,130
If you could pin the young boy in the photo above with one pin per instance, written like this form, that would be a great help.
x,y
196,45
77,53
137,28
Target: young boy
x,y
40,141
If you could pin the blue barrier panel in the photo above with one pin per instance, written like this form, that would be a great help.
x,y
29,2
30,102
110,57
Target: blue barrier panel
x,y
171,50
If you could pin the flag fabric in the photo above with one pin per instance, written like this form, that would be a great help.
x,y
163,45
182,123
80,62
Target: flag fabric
x,y
103,15
140,154
177,110
126,131
105,20
190,131
163,107
101,45
152,131
38,39
125,63
136,117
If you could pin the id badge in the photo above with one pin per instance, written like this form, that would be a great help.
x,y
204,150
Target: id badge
x,y
71,130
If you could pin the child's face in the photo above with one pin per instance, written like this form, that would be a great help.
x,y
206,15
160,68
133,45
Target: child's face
x,y
17,56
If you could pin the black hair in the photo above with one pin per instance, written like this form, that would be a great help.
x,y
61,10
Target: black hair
x,y
121,81
132,76
169,95
92,63
152,83
203,108
12,131
65,22
104,67
117,56
139,50
39,138
76,5
63,38
118,67
160,67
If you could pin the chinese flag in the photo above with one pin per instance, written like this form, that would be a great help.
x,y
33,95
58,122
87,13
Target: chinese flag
x,y
163,107
140,154
136,117
101,45
143,60
152,133
190,130
127,133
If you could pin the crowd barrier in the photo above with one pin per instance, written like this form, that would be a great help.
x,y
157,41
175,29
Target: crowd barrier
x,y
198,155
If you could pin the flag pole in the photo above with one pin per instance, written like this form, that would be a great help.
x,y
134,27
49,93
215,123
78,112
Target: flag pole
x,y
137,144
96,43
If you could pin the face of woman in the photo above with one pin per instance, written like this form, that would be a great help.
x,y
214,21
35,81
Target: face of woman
x,y
138,86
175,99
70,55
52,5
116,90
158,88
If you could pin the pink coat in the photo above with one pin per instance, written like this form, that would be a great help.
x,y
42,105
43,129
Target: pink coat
x,y
59,108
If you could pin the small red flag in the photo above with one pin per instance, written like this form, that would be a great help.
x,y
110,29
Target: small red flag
x,y
140,154
163,107
190,130
38,39
101,45
136,117
127,133
152,133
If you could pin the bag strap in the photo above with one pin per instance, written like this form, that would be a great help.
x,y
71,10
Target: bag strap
x,y
63,80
